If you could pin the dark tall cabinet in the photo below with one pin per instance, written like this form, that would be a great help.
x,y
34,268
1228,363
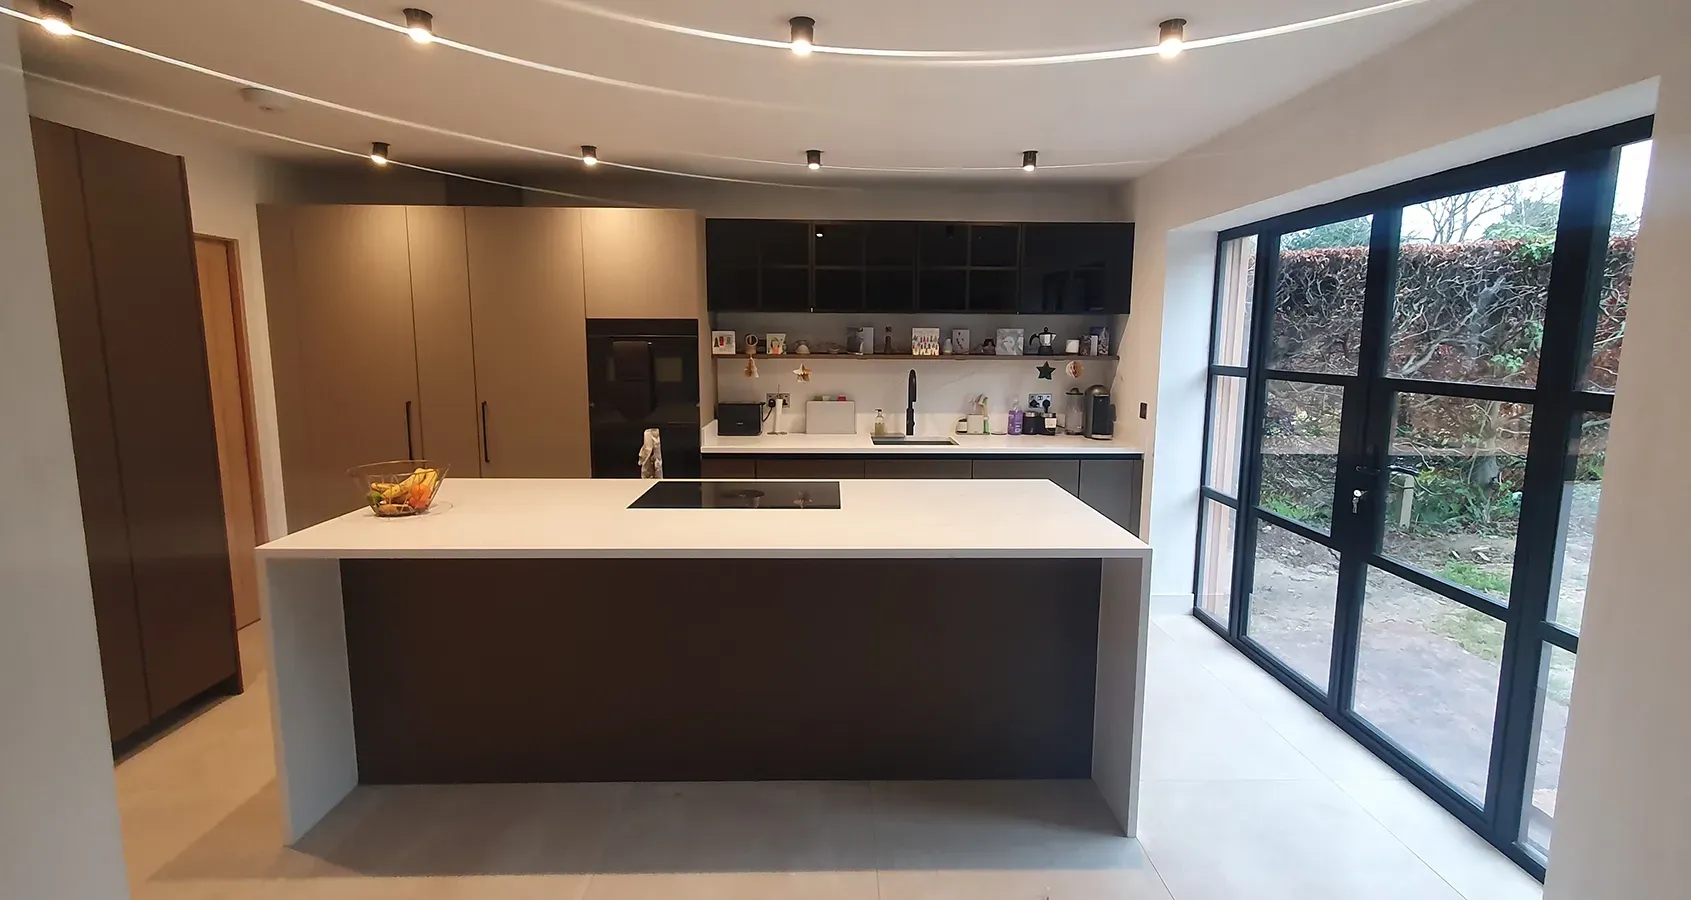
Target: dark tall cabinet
x,y
120,249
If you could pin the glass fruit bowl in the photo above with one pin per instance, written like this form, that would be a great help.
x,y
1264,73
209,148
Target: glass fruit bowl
x,y
400,487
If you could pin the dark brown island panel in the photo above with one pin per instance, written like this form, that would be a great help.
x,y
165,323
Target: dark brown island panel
x,y
548,670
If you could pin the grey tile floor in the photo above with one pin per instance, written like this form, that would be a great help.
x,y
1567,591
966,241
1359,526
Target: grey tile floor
x,y
1247,793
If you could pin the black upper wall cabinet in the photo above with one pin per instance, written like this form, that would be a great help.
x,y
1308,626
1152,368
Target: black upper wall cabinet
x,y
887,267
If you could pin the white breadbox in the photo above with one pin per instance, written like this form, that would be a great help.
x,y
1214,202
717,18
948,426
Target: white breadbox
x,y
830,417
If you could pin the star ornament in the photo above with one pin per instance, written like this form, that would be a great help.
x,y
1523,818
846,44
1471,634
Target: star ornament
x,y
1046,370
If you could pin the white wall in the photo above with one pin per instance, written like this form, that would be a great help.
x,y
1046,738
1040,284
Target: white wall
x,y
58,802
225,186
1498,76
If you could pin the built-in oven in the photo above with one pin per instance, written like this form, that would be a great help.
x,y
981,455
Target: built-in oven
x,y
643,373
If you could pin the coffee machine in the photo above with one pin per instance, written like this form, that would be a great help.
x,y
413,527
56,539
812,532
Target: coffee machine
x,y
1099,412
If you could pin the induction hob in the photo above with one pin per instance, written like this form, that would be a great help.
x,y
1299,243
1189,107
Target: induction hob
x,y
678,494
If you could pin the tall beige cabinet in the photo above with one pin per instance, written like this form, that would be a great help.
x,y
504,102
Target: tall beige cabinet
x,y
453,334
526,311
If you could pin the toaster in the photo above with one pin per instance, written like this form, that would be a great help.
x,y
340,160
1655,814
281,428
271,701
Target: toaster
x,y
739,419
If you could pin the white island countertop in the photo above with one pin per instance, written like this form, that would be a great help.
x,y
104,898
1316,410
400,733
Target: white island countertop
x,y
511,517
713,444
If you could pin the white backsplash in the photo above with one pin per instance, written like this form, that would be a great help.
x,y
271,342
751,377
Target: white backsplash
x,y
945,387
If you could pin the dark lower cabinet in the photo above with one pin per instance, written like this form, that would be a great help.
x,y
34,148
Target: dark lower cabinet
x,y
800,467
728,467
120,250
1112,485
918,467
1065,473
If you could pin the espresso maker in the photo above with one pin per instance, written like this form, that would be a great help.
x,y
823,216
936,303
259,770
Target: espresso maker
x,y
1099,414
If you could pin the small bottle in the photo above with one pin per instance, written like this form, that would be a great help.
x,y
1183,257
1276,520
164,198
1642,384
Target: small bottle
x,y
1015,419
880,424
886,347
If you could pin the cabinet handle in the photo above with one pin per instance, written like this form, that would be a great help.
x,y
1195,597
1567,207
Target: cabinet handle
x,y
410,452
486,455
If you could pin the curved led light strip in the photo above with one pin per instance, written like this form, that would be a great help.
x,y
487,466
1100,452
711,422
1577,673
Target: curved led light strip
x,y
312,144
353,110
437,40
981,57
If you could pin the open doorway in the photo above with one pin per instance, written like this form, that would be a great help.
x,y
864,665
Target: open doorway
x,y
219,263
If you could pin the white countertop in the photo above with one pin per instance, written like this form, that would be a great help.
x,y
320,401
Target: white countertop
x,y
488,517
967,445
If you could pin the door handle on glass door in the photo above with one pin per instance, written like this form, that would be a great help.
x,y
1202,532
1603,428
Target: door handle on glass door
x,y
1356,500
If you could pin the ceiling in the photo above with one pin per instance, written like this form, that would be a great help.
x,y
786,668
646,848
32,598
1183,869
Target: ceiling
x,y
746,112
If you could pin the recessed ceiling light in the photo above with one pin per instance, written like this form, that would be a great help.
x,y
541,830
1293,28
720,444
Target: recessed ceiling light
x,y
1030,160
589,155
379,153
813,159
803,34
1171,38
419,24
55,17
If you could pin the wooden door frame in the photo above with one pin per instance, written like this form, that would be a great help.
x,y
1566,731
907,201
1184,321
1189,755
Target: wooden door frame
x,y
249,409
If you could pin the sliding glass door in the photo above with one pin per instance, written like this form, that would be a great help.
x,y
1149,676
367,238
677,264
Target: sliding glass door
x,y
1409,397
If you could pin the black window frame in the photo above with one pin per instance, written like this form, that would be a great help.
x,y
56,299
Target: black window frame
x,y
1558,400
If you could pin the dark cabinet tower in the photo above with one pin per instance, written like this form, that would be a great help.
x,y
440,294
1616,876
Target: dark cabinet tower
x,y
120,250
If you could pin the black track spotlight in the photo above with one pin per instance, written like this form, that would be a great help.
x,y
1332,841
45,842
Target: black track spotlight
x,y
813,159
803,34
379,153
419,23
589,155
1030,160
55,17
1171,38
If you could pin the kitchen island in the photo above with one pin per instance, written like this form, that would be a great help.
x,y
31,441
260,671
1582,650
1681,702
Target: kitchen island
x,y
544,630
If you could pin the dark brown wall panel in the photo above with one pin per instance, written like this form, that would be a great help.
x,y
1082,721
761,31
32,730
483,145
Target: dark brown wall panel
x,y
141,239
92,435
506,670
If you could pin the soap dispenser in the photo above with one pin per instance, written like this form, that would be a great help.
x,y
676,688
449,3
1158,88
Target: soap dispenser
x,y
880,424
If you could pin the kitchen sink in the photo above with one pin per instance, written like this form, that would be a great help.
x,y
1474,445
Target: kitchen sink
x,y
900,440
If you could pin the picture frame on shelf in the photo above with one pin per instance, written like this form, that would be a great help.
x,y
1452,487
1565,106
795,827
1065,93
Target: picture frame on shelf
x,y
1011,342
924,342
722,343
775,343
960,342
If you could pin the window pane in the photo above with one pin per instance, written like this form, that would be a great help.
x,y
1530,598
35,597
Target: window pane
x,y
1581,488
1617,269
1472,279
1426,675
1454,497
1227,428
1236,286
1317,323
1555,685
1215,561
1293,594
1300,451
